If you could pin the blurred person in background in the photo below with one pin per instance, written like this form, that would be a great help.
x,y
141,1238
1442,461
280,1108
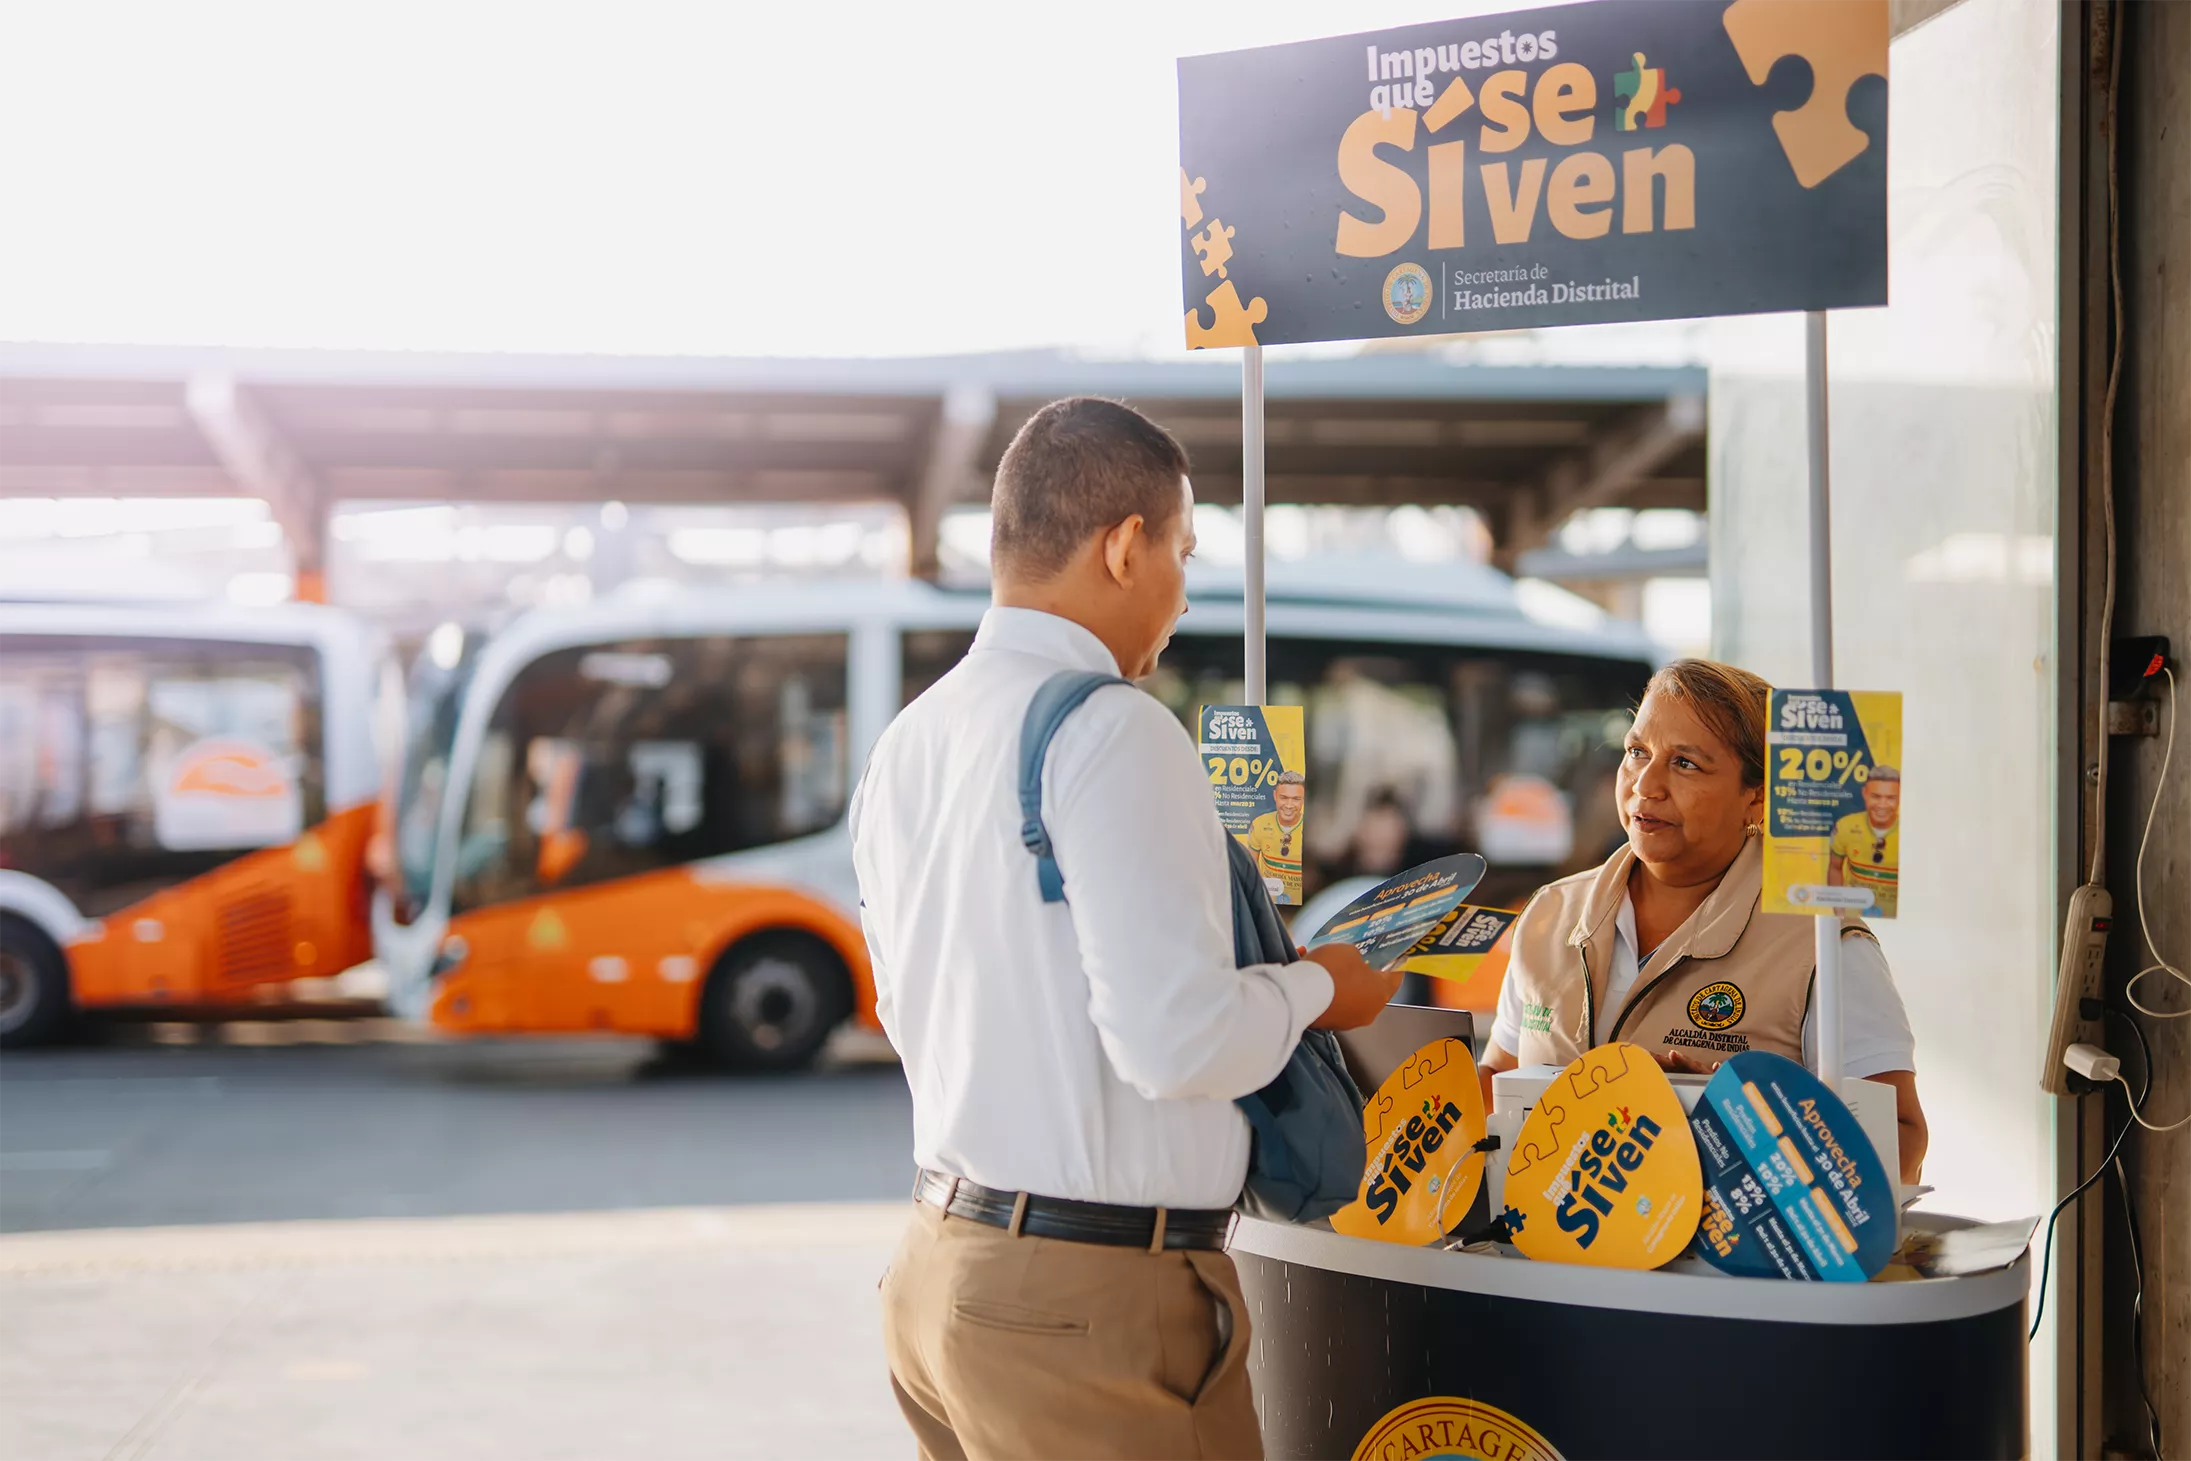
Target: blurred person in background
x,y
1665,945
1062,1289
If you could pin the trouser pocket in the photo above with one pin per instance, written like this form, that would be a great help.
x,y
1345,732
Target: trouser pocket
x,y
1214,1273
1017,1318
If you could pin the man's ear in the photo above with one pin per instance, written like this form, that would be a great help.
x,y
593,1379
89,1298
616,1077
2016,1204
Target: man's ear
x,y
1118,550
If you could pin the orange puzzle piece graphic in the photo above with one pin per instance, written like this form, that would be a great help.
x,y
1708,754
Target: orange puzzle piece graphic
x,y
1596,1069
1842,40
1232,323
1190,199
1214,244
1424,1064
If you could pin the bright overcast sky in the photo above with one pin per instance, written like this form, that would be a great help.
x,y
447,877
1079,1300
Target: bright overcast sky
x,y
721,178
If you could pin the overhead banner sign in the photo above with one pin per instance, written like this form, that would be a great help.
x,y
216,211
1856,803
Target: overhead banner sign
x,y
1612,160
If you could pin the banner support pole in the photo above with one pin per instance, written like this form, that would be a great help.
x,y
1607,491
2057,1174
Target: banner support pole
x,y
1251,506
1828,927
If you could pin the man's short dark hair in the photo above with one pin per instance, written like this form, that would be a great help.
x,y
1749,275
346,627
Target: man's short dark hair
x,y
1079,467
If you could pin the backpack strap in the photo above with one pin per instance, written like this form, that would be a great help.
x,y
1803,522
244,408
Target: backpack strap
x,y
1058,698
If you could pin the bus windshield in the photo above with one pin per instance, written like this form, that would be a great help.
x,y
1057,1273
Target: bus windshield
x,y
433,703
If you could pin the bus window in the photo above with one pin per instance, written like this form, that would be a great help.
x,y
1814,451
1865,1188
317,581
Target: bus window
x,y
607,761
925,656
1416,750
127,765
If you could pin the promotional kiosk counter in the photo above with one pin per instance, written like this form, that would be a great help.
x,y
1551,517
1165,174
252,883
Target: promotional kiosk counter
x,y
1375,1350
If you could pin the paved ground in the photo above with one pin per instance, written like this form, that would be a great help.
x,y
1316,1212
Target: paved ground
x,y
154,1133
516,1251
672,1334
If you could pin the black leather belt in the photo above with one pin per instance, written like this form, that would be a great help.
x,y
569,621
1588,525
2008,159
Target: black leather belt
x,y
1020,1213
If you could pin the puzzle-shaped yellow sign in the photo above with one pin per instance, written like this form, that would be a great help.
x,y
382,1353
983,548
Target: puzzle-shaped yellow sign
x,y
1420,1131
1842,41
1604,1170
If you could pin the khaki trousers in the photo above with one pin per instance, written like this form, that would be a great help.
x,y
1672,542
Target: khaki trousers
x,y
1034,1347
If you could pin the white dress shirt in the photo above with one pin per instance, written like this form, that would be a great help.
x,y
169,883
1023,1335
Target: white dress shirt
x,y
1088,1049
1875,1029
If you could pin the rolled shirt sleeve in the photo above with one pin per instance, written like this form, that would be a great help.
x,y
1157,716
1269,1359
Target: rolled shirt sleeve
x,y
1142,853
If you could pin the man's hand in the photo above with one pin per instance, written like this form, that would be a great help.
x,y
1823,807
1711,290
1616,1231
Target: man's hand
x,y
1680,1062
1358,992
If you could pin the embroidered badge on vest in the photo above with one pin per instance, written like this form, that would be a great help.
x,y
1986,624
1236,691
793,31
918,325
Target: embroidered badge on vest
x,y
1716,1006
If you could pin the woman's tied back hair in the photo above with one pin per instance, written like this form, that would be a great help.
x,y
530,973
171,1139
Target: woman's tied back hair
x,y
1078,467
1732,704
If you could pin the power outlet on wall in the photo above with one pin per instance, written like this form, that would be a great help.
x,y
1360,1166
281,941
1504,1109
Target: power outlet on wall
x,y
2084,950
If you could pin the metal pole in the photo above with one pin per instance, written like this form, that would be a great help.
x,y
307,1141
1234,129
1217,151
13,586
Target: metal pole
x,y
1251,503
1828,927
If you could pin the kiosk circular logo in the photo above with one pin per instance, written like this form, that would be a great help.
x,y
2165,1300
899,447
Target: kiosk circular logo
x,y
1449,1426
1715,1006
1407,294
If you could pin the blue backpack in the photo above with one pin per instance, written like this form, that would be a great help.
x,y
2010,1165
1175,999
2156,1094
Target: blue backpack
x,y
1308,1152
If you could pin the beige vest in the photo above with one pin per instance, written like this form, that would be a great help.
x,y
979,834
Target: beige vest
x,y
1729,979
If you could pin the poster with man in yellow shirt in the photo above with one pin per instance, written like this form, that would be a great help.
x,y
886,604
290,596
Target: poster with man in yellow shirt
x,y
1833,802
1275,836
1867,847
1255,755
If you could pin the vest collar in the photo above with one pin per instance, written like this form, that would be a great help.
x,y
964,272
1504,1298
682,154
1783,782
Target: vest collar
x,y
1708,933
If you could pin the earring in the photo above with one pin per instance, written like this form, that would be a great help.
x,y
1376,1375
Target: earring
x,y
1754,829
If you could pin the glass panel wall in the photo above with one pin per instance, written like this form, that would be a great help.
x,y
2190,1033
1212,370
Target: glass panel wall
x,y
1944,422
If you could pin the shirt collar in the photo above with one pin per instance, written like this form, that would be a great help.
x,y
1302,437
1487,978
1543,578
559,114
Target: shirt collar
x,y
1709,933
1045,636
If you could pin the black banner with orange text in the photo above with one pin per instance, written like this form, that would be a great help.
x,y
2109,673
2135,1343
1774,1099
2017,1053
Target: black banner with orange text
x,y
1612,160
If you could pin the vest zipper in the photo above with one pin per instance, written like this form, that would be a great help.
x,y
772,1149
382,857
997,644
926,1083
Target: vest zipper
x,y
1589,999
1635,996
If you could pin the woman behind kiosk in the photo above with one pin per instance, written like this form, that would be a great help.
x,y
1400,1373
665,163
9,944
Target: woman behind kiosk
x,y
1664,945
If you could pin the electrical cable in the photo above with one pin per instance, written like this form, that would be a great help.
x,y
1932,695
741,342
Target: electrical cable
x,y
2130,1221
2137,1312
2107,454
2046,1259
2145,927
2137,1116
2046,1247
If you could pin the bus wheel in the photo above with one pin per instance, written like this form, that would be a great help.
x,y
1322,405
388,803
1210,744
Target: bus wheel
x,y
772,1001
34,994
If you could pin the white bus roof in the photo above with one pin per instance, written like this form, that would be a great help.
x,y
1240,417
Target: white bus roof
x,y
1367,597
267,624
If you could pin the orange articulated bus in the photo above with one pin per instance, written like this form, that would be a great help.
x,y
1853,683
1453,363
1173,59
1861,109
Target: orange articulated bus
x,y
630,816
185,798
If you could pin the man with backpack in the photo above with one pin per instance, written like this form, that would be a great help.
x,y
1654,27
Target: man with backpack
x,y
1055,962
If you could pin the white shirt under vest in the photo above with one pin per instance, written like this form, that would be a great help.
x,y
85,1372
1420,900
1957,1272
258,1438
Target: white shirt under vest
x,y
1089,1049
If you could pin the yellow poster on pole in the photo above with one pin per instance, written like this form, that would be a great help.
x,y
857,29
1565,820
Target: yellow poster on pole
x,y
1833,802
1257,760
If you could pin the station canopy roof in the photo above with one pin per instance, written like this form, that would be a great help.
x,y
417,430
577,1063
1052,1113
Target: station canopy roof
x,y
1525,445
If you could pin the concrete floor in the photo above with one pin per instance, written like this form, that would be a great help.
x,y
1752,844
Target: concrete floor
x,y
723,1332
319,1241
